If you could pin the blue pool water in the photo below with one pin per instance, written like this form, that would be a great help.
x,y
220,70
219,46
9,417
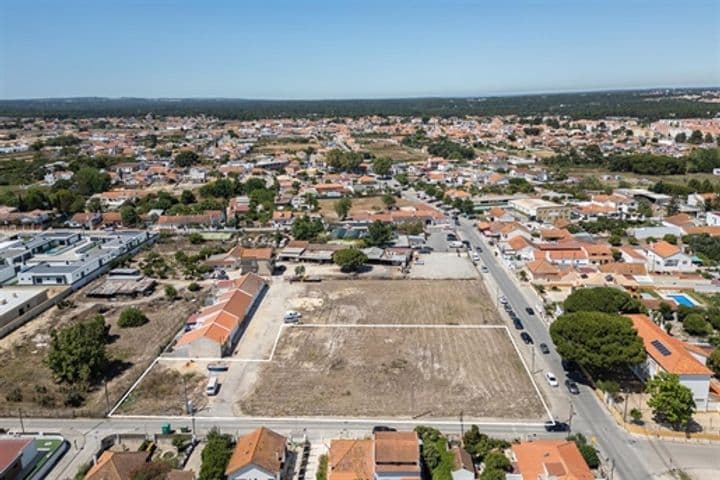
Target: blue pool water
x,y
682,300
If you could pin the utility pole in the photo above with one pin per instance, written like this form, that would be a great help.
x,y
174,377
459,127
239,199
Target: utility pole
x,y
22,425
187,403
462,427
572,414
625,397
107,398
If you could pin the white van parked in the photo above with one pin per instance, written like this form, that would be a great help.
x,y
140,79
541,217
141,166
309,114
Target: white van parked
x,y
212,386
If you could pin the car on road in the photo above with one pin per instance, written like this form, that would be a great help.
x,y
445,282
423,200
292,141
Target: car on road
x,y
291,316
476,256
526,338
544,348
455,244
503,300
466,243
518,324
484,269
551,379
572,387
383,428
529,311
450,237
553,426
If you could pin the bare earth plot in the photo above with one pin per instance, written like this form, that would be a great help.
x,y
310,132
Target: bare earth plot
x,y
444,302
384,372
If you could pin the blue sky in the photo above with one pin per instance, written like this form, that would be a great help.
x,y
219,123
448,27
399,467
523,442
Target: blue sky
x,y
352,49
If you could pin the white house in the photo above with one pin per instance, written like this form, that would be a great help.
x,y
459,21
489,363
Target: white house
x,y
259,455
668,354
665,257
712,219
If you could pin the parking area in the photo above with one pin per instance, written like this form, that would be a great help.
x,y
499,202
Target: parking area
x,y
444,266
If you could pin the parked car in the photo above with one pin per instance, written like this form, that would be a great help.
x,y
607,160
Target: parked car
x,y
553,426
530,311
479,249
503,300
544,348
291,316
518,324
466,243
572,387
526,338
450,237
484,269
383,428
551,379
476,256
455,244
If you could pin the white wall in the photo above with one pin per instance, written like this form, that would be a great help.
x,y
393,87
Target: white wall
x,y
700,386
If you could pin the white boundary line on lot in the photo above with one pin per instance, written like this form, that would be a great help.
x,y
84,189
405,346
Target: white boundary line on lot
x,y
532,378
329,325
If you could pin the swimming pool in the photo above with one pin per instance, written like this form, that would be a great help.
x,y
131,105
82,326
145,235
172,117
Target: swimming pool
x,y
682,299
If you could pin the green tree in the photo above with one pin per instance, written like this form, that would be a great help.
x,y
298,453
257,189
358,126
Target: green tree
x,y
671,239
305,228
497,461
196,238
587,451
187,197
636,415
671,401
601,299
379,233
381,166
170,292
129,216
491,474
479,444
389,200
713,362
349,259
132,317
215,456
695,324
186,158
77,353
90,180
603,343
342,207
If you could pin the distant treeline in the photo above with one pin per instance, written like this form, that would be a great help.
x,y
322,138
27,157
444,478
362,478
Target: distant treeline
x,y
647,104
700,160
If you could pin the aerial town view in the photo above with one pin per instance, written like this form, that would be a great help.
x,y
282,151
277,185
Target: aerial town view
x,y
316,240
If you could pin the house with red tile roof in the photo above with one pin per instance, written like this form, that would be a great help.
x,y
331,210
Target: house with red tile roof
x,y
260,455
213,331
665,257
16,455
668,354
548,460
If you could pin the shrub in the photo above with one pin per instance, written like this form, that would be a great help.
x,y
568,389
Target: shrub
x,y
170,292
322,468
196,238
132,317
14,395
695,324
193,287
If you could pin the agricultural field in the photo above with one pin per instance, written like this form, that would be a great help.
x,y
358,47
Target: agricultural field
x,y
448,353
388,372
382,147
415,302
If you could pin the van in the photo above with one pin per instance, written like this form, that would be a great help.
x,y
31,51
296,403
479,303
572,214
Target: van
x,y
212,386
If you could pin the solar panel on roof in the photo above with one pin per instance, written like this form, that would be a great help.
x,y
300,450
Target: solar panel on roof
x,y
660,347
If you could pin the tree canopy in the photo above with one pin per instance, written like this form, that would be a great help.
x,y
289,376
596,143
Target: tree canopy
x,y
671,401
601,299
379,233
305,228
349,259
77,353
602,343
382,165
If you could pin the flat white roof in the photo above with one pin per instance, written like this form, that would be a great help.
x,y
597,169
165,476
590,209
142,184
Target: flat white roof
x,y
13,297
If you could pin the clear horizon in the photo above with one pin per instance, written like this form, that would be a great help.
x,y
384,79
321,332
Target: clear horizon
x,y
324,50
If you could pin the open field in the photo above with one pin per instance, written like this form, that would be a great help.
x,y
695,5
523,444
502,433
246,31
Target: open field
x,y
638,178
162,391
360,205
25,382
416,302
384,372
397,152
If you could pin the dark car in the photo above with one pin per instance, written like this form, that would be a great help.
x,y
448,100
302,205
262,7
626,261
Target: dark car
x,y
383,428
530,311
518,324
526,338
552,426
572,387
544,348
479,249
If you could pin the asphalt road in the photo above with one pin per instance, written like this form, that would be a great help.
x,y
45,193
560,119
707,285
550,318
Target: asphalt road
x,y
590,416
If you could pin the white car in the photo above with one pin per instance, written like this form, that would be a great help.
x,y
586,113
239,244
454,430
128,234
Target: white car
x,y
551,379
476,256
455,244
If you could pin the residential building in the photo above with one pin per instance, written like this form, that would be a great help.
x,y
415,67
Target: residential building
x,y
397,456
16,456
117,465
668,354
541,210
351,460
260,455
548,460
665,257
463,465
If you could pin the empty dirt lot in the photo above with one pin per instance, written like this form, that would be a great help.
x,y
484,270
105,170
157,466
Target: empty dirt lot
x,y
440,302
385,372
